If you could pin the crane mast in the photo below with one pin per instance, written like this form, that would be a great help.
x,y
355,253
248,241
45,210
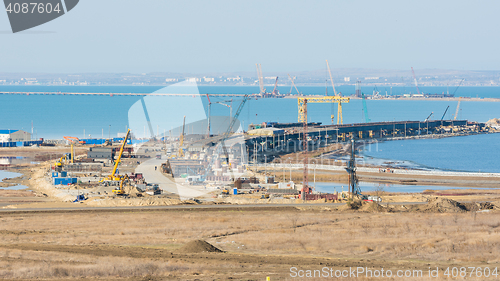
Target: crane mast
x,y
340,119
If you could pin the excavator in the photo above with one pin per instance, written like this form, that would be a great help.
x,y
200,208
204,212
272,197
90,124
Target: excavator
x,y
114,176
67,156
59,163
120,190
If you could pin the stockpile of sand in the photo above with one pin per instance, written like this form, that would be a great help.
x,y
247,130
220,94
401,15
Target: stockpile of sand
x,y
364,206
40,183
441,205
199,246
494,121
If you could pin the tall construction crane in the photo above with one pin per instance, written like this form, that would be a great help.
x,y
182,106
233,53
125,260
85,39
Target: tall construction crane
x,y
328,99
340,119
224,137
461,81
445,112
113,176
305,182
181,139
275,90
428,117
415,79
458,108
351,170
293,86
261,78
365,109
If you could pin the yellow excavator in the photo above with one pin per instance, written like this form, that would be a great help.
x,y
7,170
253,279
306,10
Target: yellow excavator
x,y
120,190
113,176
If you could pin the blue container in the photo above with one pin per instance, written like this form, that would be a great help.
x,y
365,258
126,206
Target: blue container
x,y
19,143
55,174
235,191
64,174
64,181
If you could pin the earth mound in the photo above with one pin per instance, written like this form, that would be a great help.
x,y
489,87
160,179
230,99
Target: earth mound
x,y
494,121
199,246
442,205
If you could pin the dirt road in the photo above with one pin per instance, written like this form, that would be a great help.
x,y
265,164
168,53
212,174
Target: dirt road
x,y
153,175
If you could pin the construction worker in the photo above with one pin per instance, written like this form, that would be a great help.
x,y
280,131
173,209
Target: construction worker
x,y
156,168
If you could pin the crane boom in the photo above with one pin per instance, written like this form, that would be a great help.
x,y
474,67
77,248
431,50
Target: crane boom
x,y
428,117
275,90
112,176
340,119
445,112
331,79
458,86
261,79
415,79
226,135
293,84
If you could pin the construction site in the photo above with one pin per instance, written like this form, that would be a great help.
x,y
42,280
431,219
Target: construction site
x,y
235,166
244,204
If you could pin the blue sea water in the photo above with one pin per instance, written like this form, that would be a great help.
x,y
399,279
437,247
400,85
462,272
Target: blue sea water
x,y
55,116
331,187
476,153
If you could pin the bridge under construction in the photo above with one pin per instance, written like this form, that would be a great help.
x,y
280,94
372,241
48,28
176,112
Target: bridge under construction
x,y
278,138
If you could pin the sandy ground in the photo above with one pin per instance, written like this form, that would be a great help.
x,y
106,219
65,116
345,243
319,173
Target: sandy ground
x,y
181,189
254,244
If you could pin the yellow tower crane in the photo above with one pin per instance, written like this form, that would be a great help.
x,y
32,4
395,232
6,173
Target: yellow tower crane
x,y
326,99
340,120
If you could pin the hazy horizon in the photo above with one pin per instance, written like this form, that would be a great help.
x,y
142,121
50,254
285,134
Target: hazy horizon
x,y
231,36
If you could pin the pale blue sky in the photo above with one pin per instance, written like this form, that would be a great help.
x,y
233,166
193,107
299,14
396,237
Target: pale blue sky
x,y
228,35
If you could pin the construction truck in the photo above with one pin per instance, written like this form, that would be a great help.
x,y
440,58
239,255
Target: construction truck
x,y
114,177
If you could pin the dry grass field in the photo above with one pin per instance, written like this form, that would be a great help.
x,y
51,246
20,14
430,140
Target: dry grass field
x,y
261,242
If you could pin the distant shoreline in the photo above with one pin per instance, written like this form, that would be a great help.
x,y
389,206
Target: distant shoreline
x,y
464,99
